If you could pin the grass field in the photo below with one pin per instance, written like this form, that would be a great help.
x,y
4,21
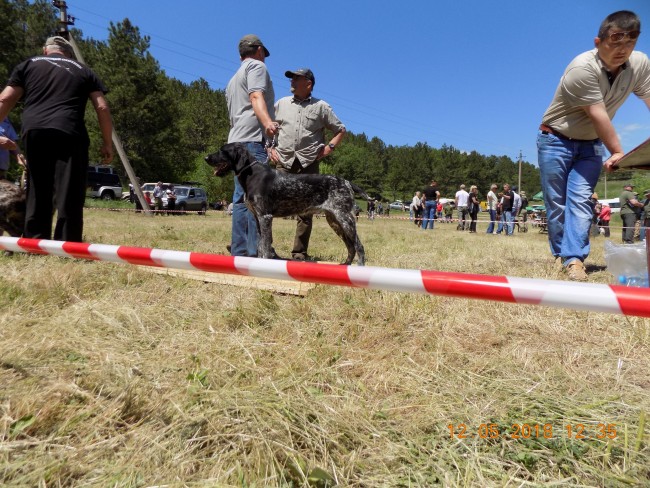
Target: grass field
x,y
112,376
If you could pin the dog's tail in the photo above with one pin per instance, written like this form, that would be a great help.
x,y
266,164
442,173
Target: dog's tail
x,y
360,192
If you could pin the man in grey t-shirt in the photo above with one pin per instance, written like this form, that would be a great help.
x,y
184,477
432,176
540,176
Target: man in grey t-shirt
x,y
250,98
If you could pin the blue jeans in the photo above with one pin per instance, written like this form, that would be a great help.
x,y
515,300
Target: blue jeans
x,y
569,171
429,214
507,222
244,225
493,217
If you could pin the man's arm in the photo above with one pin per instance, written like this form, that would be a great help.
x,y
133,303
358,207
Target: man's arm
x,y
262,113
606,132
8,98
105,124
6,143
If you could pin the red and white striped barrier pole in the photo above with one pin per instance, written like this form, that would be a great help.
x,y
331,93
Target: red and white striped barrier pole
x,y
561,294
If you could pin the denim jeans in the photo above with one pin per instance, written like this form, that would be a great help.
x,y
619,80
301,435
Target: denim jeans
x,y
507,222
493,217
244,225
429,215
569,171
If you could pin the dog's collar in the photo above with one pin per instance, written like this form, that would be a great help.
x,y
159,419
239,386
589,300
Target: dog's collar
x,y
246,167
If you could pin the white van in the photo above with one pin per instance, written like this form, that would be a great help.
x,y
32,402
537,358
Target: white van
x,y
613,203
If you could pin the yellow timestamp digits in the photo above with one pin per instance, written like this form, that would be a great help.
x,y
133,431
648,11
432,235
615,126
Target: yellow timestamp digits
x,y
531,431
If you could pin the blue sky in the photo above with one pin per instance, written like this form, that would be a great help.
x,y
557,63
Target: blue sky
x,y
476,75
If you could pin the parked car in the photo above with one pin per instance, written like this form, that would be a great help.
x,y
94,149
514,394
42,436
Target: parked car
x,y
191,198
397,205
103,183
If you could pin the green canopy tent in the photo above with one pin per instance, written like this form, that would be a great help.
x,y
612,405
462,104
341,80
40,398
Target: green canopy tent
x,y
538,196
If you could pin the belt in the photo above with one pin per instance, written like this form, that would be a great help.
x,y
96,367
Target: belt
x,y
550,130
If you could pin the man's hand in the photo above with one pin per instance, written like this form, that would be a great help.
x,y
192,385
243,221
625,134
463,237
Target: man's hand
x,y
107,153
272,128
6,143
273,155
22,161
611,164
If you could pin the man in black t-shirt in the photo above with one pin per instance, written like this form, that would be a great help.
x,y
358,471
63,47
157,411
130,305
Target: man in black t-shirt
x,y
432,195
55,89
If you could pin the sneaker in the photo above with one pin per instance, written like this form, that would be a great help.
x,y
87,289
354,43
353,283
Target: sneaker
x,y
576,271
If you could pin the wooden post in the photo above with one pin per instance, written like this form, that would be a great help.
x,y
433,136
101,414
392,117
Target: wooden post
x,y
120,149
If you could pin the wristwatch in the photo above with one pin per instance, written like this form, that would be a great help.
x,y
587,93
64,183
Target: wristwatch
x,y
331,146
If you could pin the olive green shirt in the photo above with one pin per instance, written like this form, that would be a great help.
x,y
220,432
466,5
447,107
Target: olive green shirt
x,y
302,128
625,197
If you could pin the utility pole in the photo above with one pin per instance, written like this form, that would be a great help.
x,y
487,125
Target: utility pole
x,y
64,21
519,181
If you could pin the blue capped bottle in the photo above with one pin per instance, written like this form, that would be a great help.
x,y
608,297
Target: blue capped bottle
x,y
636,280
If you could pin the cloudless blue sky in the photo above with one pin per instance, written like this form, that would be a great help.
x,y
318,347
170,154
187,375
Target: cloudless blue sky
x,y
477,75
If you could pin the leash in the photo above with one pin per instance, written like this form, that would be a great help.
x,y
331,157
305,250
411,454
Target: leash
x,y
246,167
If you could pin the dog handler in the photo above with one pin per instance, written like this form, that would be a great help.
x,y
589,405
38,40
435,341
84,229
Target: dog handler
x,y
301,141
577,124
250,98
55,89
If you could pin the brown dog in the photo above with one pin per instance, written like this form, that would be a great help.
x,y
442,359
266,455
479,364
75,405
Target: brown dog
x,y
12,209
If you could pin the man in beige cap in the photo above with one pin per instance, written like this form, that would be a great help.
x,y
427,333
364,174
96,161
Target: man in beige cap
x,y
302,121
55,89
250,98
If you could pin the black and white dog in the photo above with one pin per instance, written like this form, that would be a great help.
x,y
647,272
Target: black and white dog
x,y
271,194
12,209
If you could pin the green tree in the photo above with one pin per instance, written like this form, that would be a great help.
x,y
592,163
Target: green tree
x,y
145,110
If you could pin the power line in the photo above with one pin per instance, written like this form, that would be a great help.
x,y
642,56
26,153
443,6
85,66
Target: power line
x,y
396,119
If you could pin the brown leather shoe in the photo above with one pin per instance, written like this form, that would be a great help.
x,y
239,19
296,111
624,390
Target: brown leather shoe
x,y
576,271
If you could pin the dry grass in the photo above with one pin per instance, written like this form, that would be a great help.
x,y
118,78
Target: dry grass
x,y
111,376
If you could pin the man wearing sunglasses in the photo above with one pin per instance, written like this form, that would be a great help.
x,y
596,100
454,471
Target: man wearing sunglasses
x,y
577,128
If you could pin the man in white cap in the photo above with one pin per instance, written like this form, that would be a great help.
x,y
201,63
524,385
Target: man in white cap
x,y
55,89
302,121
250,98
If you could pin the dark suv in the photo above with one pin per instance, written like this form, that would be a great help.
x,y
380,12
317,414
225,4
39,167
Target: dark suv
x,y
103,183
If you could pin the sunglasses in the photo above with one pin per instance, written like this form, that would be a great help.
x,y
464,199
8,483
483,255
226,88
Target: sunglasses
x,y
620,36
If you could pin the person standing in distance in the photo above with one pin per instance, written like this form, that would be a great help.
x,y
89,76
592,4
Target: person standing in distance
x,y
432,195
302,121
250,98
575,127
55,89
492,207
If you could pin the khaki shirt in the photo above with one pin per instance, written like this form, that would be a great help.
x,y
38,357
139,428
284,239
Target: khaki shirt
x,y
585,83
302,129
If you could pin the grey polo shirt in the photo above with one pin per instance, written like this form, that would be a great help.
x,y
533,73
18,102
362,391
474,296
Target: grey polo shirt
x,y
302,128
585,83
252,76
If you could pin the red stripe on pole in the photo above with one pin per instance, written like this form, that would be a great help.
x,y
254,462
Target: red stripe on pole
x,y
214,263
633,301
468,285
78,250
32,245
327,274
137,255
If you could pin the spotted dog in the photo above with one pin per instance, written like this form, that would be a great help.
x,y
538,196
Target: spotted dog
x,y
271,194
12,209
